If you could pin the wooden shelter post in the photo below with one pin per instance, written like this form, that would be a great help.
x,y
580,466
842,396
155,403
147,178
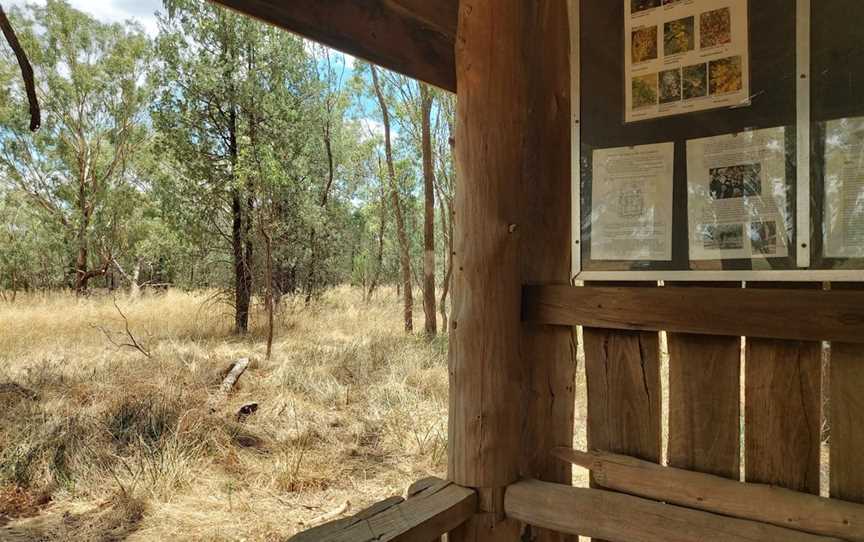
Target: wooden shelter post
x,y
511,385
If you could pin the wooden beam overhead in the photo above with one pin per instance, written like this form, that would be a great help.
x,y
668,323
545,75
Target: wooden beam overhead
x,y
412,37
801,315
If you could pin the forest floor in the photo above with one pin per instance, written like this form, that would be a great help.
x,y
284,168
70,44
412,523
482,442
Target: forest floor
x,y
99,442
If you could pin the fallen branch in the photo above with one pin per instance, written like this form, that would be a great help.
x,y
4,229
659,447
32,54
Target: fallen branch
x,y
26,70
134,343
329,516
237,369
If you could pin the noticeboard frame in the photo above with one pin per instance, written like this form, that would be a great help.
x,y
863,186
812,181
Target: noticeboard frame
x,y
802,181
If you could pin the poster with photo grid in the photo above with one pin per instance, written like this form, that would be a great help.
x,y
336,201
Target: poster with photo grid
x,y
683,56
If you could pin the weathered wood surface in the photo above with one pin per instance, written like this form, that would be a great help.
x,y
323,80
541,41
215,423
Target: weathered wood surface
x,y
412,37
548,353
757,502
486,369
782,408
624,391
429,513
624,518
847,416
809,315
705,400
623,378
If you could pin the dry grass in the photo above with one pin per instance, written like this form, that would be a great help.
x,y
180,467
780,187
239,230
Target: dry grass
x,y
101,443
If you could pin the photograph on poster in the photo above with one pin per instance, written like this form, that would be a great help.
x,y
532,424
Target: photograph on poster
x,y
645,91
698,52
631,191
723,237
763,238
844,189
715,28
741,181
695,81
670,86
679,36
637,6
644,45
726,75
737,196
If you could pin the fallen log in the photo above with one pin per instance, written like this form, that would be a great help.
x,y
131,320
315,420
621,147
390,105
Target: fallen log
x,y
237,369
623,518
757,502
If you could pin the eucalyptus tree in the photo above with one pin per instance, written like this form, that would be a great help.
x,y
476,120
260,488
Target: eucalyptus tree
x,y
93,85
232,90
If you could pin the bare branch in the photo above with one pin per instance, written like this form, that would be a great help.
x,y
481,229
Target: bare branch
x,y
26,70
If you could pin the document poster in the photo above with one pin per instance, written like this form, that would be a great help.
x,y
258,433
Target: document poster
x,y
683,56
631,201
844,188
736,187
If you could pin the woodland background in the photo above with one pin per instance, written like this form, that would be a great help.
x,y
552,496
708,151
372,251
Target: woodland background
x,y
218,154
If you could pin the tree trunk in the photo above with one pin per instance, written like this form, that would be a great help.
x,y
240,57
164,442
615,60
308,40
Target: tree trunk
x,y
81,276
379,256
431,327
404,247
240,243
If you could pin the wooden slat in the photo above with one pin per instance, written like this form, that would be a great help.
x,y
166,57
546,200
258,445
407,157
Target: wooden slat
x,y
624,518
757,502
623,380
782,405
623,377
807,315
847,417
413,37
705,401
431,512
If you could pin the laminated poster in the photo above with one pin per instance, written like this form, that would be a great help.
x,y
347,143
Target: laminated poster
x,y
737,196
683,56
631,203
844,188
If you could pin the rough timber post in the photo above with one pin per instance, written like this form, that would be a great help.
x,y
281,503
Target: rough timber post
x,y
511,387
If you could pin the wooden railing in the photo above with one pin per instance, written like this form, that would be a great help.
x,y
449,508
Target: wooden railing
x,y
635,499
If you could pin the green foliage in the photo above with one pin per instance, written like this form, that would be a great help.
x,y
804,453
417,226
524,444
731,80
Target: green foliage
x,y
171,160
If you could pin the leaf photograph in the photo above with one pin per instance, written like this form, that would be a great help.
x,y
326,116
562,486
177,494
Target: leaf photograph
x,y
670,86
644,91
726,75
679,36
637,6
644,44
715,28
695,81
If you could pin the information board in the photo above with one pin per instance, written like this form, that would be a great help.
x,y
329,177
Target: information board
x,y
694,117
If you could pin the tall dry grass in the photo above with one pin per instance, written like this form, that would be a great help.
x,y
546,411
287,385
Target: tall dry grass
x,y
99,442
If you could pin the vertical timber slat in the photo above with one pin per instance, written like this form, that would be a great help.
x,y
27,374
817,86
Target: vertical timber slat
x,y
847,418
705,401
782,410
547,354
623,376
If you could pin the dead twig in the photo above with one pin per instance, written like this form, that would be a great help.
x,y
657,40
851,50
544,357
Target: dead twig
x,y
26,70
133,342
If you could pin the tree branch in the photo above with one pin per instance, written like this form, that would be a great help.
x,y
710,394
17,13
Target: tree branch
x,y
26,70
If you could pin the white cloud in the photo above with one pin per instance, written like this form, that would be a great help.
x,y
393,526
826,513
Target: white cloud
x,y
113,11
